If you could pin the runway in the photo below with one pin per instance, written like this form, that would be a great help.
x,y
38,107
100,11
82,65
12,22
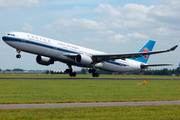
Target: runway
x,y
103,104
76,78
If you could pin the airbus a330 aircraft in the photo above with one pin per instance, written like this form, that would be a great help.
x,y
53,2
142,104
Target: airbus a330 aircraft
x,y
48,51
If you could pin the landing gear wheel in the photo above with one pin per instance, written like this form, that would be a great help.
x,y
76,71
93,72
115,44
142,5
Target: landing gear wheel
x,y
95,74
18,56
90,70
73,74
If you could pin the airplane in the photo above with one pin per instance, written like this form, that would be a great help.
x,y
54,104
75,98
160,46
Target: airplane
x,y
48,51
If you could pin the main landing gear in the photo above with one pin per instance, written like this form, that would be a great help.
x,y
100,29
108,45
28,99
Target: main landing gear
x,y
18,55
71,74
94,73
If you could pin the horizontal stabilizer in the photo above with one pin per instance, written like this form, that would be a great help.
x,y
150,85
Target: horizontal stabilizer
x,y
173,48
154,65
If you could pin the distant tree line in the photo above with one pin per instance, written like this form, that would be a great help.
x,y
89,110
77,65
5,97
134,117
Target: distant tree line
x,y
15,69
164,71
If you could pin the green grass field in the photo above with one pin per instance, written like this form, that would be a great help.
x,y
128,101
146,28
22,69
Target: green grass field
x,y
64,91
160,112
83,76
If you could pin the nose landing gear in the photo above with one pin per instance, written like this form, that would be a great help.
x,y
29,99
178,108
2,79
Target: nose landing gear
x,y
18,55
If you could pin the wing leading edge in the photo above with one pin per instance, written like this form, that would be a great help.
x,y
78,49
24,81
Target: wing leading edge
x,y
104,57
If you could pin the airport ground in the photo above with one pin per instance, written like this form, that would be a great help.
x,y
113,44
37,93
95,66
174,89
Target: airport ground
x,y
82,91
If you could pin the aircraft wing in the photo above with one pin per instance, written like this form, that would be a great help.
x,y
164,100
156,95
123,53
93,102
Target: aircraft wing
x,y
104,57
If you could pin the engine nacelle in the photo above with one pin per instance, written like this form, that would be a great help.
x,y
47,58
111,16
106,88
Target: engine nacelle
x,y
83,59
44,60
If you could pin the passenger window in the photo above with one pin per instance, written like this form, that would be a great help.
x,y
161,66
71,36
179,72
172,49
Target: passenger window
x,y
32,36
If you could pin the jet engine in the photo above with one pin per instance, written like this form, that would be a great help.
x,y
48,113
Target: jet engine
x,y
83,59
44,60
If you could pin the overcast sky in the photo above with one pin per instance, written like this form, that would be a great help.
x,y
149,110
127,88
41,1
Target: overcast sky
x,y
112,26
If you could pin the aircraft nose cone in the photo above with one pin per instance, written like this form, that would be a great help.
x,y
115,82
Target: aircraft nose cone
x,y
4,38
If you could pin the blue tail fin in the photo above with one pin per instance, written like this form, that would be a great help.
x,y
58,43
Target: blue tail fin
x,y
146,48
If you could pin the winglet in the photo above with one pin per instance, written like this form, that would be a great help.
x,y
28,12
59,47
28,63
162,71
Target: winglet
x,y
173,48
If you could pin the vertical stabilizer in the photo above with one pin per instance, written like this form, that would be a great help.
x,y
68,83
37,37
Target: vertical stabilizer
x,y
146,48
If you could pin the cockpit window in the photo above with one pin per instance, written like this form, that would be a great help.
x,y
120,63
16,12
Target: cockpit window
x,y
11,34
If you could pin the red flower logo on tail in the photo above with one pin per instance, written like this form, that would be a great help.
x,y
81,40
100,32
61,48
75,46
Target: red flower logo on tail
x,y
145,50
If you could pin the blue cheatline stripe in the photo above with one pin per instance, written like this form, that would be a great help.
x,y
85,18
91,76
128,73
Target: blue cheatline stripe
x,y
116,63
13,39
7,38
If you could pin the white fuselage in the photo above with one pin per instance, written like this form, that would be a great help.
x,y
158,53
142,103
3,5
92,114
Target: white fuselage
x,y
60,51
